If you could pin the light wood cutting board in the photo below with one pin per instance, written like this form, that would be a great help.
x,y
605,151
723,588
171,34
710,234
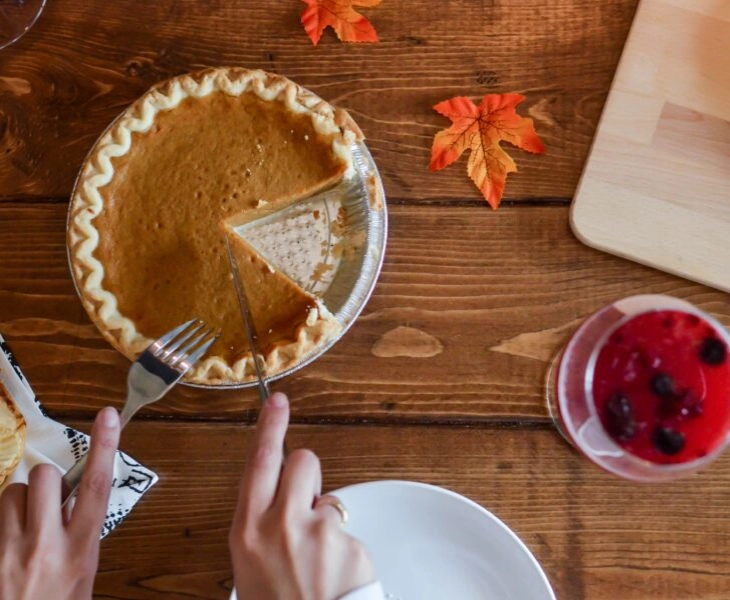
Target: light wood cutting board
x,y
656,187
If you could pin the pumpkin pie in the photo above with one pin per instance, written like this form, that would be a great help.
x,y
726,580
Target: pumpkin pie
x,y
168,181
12,435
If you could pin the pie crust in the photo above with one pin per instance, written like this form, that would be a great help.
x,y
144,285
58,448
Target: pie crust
x,y
146,239
12,435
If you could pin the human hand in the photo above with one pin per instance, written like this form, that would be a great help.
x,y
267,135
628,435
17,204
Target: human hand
x,y
43,555
283,545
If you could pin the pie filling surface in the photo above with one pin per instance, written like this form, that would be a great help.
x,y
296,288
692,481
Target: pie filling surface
x,y
157,194
12,435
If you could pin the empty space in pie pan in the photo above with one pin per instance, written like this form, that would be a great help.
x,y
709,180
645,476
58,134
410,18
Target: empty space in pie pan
x,y
334,244
331,244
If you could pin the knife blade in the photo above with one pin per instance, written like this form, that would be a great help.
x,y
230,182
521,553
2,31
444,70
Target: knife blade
x,y
249,326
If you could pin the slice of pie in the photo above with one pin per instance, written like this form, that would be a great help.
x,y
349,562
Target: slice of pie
x,y
12,435
279,307
149,212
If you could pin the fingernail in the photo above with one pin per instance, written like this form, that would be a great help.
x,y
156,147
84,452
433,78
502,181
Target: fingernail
x,y
109,417
277,400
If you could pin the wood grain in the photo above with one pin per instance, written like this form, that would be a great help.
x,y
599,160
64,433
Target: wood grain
x,y
460,330
84,62
441,378
598,538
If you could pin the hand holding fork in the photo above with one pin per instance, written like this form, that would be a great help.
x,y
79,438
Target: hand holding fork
x,y
150,377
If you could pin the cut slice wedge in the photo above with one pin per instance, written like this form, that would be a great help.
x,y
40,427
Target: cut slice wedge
x,y
300,240
289,320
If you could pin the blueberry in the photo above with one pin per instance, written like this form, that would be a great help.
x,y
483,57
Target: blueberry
x,y
620,420
713,351
668,441
662,385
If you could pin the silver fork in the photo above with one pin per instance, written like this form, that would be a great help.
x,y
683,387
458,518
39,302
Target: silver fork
x,y
156,370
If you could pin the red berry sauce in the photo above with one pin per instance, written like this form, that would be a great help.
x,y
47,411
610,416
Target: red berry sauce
x,y
661,386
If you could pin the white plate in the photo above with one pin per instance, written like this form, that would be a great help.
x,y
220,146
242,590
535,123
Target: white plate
x,y
429,543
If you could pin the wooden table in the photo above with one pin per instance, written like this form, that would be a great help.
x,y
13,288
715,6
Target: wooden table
x,y
441,378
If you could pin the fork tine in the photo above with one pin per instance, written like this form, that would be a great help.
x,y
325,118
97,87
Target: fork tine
x,y
169,349
171,335
195,356
182,354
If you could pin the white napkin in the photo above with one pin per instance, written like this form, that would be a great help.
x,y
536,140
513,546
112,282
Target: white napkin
x,y
48,441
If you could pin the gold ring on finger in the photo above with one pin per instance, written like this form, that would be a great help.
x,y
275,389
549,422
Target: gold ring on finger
x,y
334,502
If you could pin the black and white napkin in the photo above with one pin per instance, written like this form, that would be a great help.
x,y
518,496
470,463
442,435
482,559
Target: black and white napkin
x,y
48,441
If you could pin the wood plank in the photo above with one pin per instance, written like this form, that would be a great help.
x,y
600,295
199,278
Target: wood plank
x,y
597,537
470,307
84,62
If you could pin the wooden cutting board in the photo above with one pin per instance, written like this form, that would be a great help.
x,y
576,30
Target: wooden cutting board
x,y
656,186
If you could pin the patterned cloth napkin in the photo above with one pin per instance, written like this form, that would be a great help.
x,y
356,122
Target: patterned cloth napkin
x,y
48,441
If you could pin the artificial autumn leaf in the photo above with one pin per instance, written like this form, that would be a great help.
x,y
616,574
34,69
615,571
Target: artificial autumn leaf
x,y
480,129
349,25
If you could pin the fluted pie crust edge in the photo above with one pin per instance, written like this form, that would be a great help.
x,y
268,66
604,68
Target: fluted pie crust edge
x,y
98,170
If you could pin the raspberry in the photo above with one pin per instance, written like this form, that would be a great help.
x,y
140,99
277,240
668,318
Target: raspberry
x,y
690,405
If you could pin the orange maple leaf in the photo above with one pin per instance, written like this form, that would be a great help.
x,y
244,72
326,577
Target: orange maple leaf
x,y
349,25
480,129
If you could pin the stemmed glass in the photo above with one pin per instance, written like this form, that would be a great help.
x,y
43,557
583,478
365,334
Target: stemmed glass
x,y
17,17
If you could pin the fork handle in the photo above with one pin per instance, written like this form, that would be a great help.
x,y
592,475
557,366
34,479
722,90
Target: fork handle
x,y
72,478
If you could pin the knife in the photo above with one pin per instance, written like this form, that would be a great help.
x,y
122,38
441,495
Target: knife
x,y
249,326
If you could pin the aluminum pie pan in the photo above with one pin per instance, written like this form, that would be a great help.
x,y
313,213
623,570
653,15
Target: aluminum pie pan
x,y
363,198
